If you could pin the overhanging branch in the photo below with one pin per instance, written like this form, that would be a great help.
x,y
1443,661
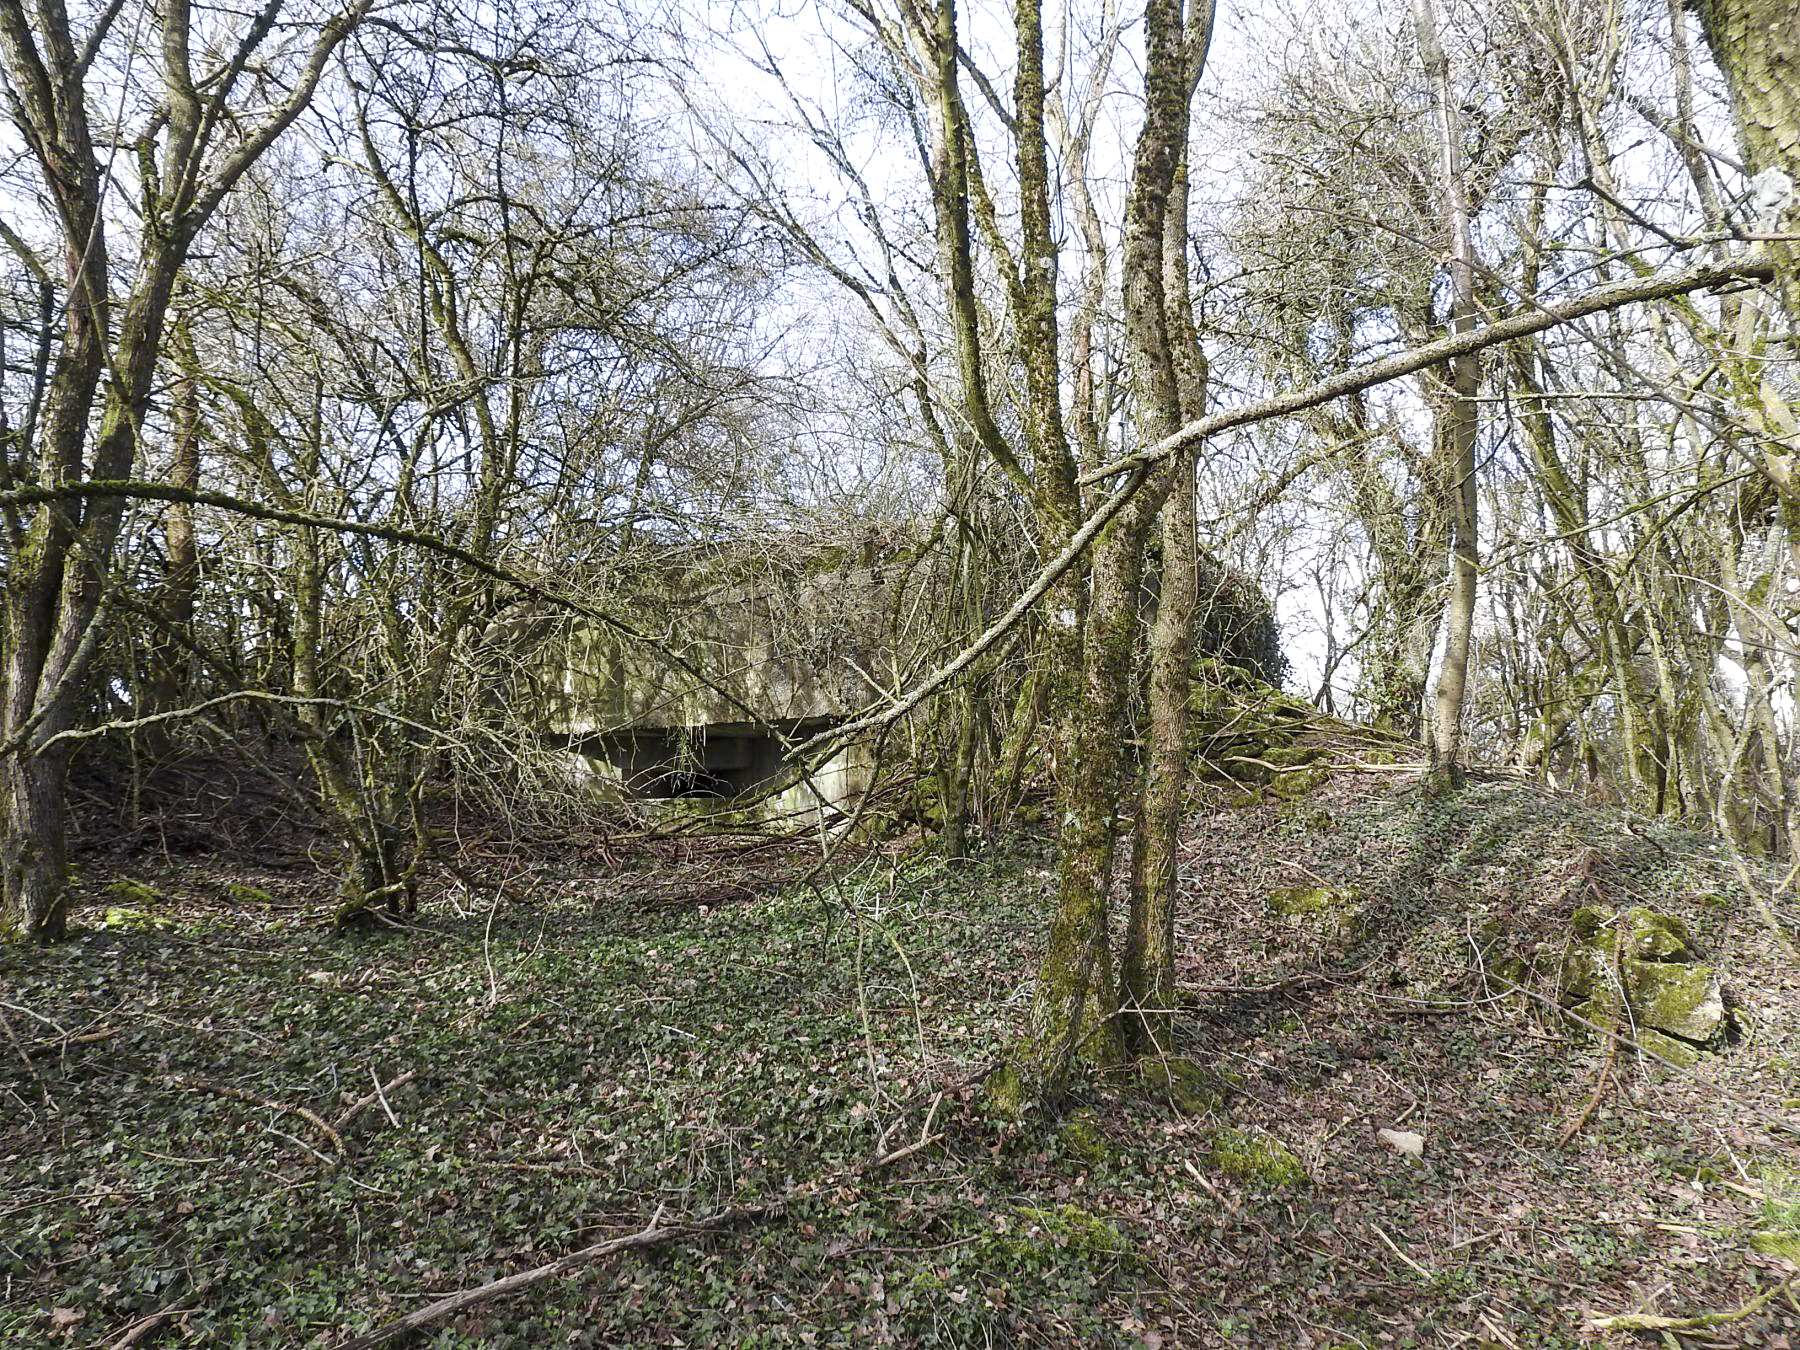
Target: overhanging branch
x,y
1536,319
1138,464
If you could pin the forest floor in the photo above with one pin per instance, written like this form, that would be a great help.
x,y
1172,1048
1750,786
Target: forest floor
x,y
193,1150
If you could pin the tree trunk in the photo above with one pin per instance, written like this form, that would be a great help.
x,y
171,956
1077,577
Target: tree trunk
x,y
1149,957
33,852
59,563
170,664
1074,1010
1756,44
1458,422
1176,394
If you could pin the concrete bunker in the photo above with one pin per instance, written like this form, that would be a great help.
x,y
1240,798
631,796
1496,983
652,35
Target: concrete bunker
x,y
762,662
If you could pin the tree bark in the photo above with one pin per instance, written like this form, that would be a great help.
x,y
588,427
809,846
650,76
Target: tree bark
x,y
167,678
1458,422
33,848
1171,392
1074,1020
1756,44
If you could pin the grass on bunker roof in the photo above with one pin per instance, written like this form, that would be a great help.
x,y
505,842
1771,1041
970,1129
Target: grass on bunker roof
x,y
682,1031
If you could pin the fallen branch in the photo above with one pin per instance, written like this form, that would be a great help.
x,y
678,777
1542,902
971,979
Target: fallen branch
x,y
1652,1322
654,1234
1388,1242
149,1322
61,1043
307,1114
363,1103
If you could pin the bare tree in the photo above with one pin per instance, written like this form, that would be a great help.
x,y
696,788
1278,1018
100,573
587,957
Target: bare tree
x,y
227,84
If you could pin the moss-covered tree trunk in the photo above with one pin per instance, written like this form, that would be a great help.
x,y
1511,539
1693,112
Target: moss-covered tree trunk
x,y
1074,1019
33,848
169,661
1457,418
1171,391
1148,962
1756,44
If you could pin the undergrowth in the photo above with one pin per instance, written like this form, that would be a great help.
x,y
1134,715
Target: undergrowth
x,y
192,1130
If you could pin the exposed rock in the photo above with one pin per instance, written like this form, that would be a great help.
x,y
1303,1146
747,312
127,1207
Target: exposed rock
x,y
1682,1000
1673,1001
1337,909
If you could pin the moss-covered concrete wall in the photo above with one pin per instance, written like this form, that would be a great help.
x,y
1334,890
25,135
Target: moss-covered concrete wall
x,y
773,650
775,655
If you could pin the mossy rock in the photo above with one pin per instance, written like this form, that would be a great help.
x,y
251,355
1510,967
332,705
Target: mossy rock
x,y
1648,958
1649,934
1243,801
246,894
1304,817
1187,1087
134,893
1509,972
1067,1229
1241,770
1657,937
1298,783
1255,1158
1291,756
1587,921
1337,908
1293,901
1207,698
1669,1048
1587,973
1682,1000
128,920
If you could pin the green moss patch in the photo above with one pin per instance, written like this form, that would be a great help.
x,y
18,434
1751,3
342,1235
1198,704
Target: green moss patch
x,y
1255,1158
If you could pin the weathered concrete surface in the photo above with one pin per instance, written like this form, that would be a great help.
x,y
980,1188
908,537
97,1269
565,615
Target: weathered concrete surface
x,y
770,658
787,649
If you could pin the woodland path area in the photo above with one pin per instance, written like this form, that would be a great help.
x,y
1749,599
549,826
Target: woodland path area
x,y
267,1137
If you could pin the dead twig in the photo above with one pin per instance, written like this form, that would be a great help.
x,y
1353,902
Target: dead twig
x,y
305,1113
1302,981
653,1234
1652,1322
25,1058
363,1103
61,1043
